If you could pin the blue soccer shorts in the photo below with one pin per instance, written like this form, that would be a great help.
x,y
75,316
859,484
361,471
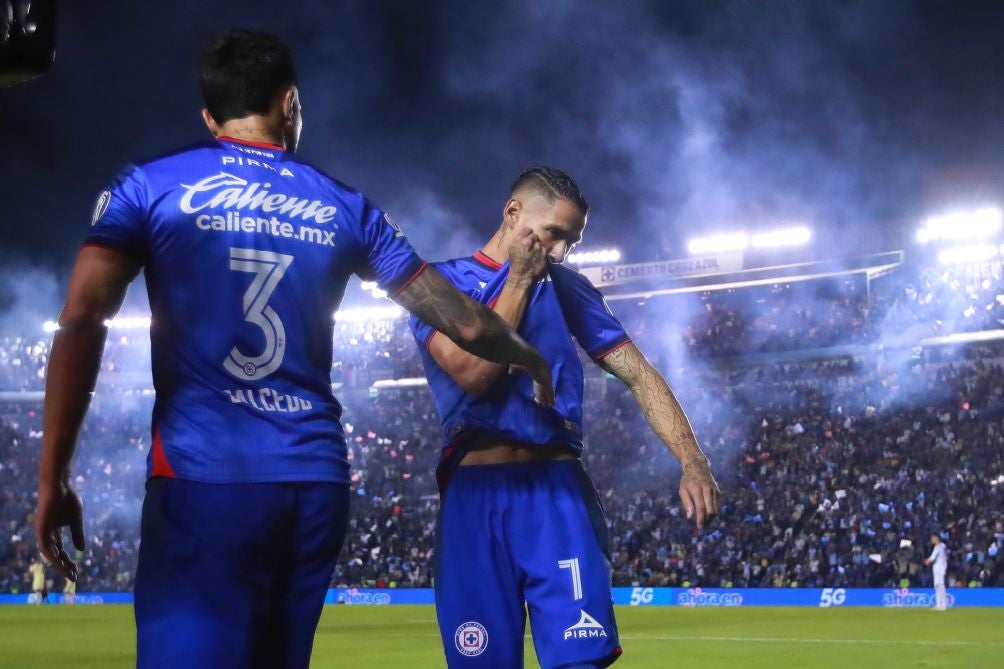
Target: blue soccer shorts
x,y
518,538
234,575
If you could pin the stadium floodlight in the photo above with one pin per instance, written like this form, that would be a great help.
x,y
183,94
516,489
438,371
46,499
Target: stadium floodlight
x,y
975,224
373,289
598,257
733,241
965,255
129,323
362,314
117,323
793,235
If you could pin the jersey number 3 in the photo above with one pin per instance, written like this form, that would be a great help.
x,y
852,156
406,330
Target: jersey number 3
x,y
268,268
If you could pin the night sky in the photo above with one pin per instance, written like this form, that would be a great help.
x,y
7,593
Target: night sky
x,y
677,118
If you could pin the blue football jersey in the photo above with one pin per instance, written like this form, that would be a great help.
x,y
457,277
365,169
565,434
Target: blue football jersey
x,y
246,251
563,306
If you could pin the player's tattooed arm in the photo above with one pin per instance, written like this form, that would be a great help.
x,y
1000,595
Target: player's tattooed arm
x,y
527,264
97,287
698,488
474,328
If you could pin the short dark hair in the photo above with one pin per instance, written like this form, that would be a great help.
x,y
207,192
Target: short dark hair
x,y
241,71
551,183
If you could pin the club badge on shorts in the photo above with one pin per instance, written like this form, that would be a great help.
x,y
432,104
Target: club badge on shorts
x,y
471,639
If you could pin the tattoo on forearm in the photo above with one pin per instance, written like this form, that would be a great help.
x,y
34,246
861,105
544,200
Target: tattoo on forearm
x,y
658,403
433,300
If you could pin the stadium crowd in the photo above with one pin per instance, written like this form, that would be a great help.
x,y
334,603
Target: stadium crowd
x,y
828,470
834,475
835,469
704,325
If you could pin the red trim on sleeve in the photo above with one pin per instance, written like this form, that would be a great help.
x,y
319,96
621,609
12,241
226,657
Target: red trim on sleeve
x,y
608,352
161,466
487,260
260,145
409,281
428,342
110,247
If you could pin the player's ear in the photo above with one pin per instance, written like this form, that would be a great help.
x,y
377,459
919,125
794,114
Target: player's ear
x,y
511,212
289,104
211,123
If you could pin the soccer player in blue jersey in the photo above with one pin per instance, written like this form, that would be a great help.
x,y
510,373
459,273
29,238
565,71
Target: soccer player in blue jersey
x,y
521,527
246,250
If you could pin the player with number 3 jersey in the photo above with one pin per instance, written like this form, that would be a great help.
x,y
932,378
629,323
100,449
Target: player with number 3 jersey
x,y
246,250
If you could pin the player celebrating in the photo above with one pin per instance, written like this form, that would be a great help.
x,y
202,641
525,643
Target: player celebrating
x,y
521,524
247,250
939,559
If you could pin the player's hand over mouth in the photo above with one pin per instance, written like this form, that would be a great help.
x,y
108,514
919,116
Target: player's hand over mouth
x,y
527,264
527,259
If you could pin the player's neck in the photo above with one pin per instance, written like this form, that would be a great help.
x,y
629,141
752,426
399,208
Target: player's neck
x,y
253,128
496,248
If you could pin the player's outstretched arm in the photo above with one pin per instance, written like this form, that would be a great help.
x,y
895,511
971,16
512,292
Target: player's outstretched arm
x,y
97,287
474,328
698,488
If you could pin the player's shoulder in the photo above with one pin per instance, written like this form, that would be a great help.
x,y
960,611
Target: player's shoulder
x,y
166,165
562,274
460,271
338,188
454,263
168,160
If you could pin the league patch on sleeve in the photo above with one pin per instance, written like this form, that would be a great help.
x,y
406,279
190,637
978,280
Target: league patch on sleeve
x,y
101,206
392,223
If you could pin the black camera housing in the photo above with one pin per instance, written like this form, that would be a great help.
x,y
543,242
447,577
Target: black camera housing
x,y
27,39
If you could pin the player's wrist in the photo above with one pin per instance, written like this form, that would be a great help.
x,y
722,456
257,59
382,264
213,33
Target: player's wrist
x,y
520,282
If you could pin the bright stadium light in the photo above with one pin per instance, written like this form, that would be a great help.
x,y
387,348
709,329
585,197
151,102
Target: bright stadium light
x,y
373,289
976,224
361,314
129,323
598,257
795,235
964,255
734,241
118,323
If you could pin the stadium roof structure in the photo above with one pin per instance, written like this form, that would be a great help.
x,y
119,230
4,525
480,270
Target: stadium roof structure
x,y
726,271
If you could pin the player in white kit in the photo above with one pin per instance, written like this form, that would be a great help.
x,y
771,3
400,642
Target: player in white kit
x,y
938,561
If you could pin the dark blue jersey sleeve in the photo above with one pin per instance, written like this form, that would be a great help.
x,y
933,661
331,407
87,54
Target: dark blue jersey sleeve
x,y
390,259
588,316
121,215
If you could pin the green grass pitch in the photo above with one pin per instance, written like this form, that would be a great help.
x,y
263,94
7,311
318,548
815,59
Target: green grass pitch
x,y
390,637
